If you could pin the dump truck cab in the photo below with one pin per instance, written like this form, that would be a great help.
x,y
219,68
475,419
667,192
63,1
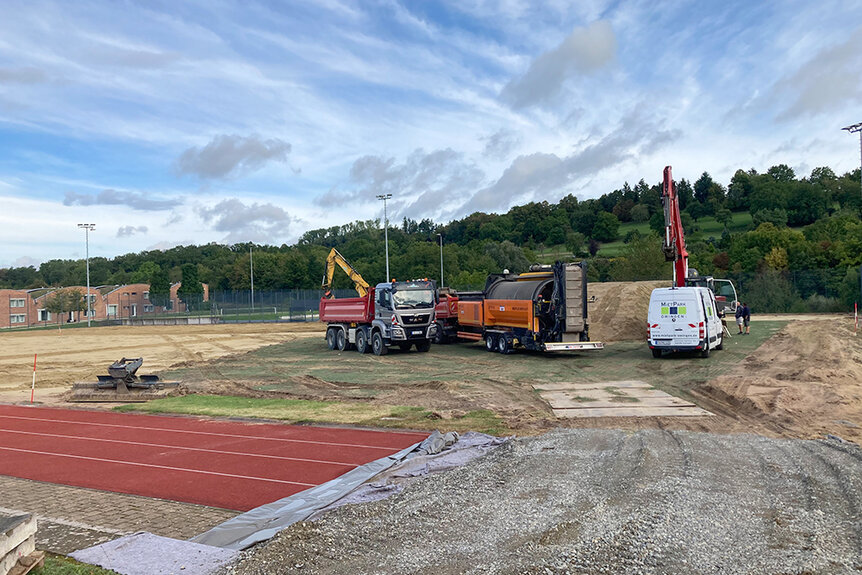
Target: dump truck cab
x,y
404,313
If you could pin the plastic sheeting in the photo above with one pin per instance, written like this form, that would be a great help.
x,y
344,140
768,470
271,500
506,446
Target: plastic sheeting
x,y
381,476
147,554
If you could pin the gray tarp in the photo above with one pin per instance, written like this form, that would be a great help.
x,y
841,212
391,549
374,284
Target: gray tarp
x,y
265,521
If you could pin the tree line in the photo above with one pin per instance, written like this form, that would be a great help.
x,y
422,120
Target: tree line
x,y
792,226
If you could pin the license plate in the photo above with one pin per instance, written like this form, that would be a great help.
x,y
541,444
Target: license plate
x,y
417,332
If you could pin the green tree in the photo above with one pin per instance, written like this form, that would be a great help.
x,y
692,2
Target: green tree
x,y
724,217
606,228
641,259
191,291
62,302
160,288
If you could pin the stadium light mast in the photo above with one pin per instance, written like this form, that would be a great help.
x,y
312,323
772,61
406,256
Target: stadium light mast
x,y
854,129
385,197
87,228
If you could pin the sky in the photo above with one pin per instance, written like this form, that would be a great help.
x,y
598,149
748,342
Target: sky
x,y
174,123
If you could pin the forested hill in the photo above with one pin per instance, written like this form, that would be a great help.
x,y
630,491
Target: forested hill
x,y
770,227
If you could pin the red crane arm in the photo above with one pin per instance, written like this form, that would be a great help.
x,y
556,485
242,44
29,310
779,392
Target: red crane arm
x,y
674,237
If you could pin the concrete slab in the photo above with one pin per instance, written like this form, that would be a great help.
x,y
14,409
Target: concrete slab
x,y
614,399
631,412
598,385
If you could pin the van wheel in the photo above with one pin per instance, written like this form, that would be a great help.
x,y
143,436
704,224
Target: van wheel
x,y
340,340
361,341
490,342
705,351
378,346
656,352
720,346
330,338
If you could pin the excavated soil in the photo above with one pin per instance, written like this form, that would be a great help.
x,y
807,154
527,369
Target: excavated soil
x,y
804,381
619,311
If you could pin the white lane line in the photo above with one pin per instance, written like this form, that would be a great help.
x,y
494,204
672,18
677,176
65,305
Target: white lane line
x,y
161,446
263,438
154,466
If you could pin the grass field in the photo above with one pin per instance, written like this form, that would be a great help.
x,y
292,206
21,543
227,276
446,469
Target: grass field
x,y
453,387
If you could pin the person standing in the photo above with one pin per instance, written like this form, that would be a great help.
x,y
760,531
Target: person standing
x,y
739,317
746,318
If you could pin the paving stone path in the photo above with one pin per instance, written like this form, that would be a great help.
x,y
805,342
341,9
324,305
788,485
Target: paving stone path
x,y
72,518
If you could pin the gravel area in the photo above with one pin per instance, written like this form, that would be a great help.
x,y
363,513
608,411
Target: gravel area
x,y
602,501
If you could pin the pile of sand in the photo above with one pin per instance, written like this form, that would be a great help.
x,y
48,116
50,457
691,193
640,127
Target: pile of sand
x,y
619,311
806,380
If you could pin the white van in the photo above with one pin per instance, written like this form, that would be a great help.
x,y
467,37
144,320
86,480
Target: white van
x,y
683,319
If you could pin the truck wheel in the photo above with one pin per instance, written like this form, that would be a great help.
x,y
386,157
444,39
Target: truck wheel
x,y
656,352
405,346
439,337
504,345
423,346
490,342
330,338
340,340
378,346
361,341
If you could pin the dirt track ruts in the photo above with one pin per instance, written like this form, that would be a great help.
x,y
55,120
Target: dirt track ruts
x,y
603,501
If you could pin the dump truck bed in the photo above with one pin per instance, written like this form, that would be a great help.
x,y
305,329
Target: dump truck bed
x,y
348,309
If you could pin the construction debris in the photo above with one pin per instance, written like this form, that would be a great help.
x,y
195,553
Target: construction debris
x,y
17,544
122,384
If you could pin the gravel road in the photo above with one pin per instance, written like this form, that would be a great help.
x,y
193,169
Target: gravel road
x,y
602,501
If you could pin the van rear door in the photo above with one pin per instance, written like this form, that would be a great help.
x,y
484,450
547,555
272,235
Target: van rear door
x,y
674,316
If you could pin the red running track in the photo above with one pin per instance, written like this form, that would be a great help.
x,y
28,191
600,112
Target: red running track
x,y
225,464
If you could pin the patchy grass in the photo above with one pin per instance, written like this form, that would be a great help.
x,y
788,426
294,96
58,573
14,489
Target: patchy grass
x,y
322,412
58,565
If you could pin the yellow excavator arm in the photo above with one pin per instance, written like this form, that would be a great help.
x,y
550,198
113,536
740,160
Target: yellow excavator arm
x,y
336,258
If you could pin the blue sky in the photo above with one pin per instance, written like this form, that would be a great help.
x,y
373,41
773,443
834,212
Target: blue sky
x,y
168,123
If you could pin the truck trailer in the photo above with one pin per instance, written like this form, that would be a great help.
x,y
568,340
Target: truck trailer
x,y
544,309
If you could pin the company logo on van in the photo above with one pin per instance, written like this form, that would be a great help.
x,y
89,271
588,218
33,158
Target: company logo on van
x,y
675,309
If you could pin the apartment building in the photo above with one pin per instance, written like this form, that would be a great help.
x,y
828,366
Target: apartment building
x,y
28,308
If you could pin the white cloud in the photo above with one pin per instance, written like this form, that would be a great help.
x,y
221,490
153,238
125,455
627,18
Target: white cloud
x,y
260,223
584,51
232,155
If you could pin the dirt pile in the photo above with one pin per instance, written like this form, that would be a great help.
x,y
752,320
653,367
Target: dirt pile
x,y
805,381
619,312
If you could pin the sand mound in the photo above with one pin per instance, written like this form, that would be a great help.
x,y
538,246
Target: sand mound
x,y
807,379
619,312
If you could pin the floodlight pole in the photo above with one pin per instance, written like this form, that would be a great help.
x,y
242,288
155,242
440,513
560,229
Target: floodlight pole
x,y
441,258
857,128
87,228
385,197
251,265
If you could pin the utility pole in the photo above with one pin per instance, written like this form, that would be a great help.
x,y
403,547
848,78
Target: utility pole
x,y
87,228
441,258
385,197
857,128
251,265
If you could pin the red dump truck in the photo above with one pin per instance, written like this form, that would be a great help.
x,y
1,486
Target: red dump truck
x,y
389,314
544,309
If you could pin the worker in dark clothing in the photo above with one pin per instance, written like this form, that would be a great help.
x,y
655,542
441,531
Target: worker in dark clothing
x,y
739,317
746,317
